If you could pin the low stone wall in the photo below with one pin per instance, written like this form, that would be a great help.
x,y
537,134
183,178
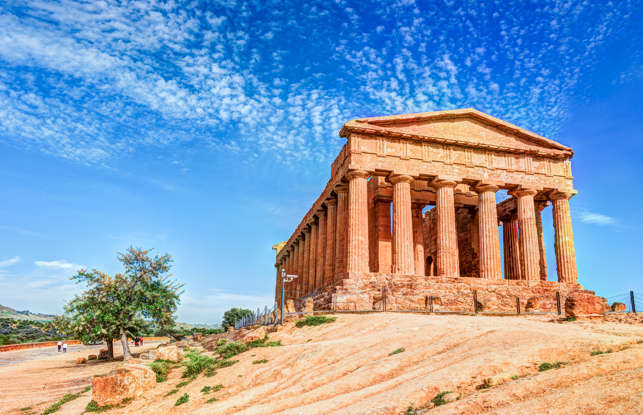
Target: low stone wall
x,y
374,291
21,346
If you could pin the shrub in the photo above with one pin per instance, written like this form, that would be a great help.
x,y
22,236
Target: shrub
x,y
263,343
182,384
570,318
439,398
222,341
211,400
172,392
411,410
160,367
256,362
396,351
314,321
92,406
183,399
515,377
195,363
231,349
546,366
226,363
209,372
596,352
206,389
56,406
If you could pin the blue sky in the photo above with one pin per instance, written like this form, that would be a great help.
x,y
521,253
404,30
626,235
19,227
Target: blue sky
x,y
207,129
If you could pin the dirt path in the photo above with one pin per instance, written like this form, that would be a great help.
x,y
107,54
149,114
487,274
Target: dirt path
x,y
36,378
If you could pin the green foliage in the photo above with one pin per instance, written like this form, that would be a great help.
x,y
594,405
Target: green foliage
x,y
439,398
570,318
215,388
546,366
226,363
256,362
209,372
92,406
396,351
265,342
183,399
182,384
231,349
597,352
211,400
222,341
233,315
56,406
15,331
161,368
123,305
195,363
314,321
172,392
411,410
515,377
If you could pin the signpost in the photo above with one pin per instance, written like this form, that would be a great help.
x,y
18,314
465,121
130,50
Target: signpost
x,y
284,279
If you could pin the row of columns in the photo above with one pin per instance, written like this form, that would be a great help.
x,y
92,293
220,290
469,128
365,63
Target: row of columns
x,y
337,240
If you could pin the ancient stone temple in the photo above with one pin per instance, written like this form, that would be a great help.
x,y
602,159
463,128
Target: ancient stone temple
x,y
409,220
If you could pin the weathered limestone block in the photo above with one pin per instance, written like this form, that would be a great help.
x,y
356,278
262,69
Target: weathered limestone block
x,y
149,355
81,360
92,357
533,304
290,306
129,381
582,303
309,305
170,353
619,307
255,334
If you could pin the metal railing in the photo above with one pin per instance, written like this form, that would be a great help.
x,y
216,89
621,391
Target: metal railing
x,y
267,317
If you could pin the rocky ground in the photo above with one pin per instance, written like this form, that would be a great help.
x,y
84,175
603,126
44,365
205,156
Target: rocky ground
x,y
388,363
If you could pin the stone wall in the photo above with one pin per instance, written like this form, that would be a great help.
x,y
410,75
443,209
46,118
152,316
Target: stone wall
x,y
369,291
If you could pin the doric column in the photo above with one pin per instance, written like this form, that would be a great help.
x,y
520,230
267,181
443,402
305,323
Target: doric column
x,y
302,266
295,267
321,250
489,252
447,238
312,265
403,260
341,229
329,259
357,252
418,240
383,236
511,248
306,270
541,241
564,238
278,285
528,234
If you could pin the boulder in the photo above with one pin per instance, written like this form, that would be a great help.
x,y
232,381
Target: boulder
x,y
255,334
171,353
197,337
580,303
450,397
81,360
92,357
619,307
149,355
128,381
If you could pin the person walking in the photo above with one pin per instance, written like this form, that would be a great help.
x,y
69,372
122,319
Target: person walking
x,y
60,345
140,339
64,347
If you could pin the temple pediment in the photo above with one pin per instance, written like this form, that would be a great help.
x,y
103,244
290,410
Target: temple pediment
x,y
466,127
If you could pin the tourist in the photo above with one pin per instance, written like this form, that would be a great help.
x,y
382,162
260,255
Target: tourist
x,y
136,341
60,345
64,347
140,339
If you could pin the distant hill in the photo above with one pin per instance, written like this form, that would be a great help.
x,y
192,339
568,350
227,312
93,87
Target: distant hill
x,y
8,312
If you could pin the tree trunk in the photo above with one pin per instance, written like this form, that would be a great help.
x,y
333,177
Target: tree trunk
x,y
126,354
110,349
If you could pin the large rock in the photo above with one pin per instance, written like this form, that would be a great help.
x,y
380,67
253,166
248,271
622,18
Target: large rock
x,y
580,303
149,355
129,381
619,307
255,334
197,337
81,360
290,306
171,353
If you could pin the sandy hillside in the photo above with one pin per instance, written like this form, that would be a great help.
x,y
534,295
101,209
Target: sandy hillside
x,y
345,367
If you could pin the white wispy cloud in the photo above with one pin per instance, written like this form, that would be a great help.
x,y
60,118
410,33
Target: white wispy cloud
x,y
91,81
59,265
597,218
9,262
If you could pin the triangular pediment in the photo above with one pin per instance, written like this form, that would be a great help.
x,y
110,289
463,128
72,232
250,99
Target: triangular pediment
x,y
467,127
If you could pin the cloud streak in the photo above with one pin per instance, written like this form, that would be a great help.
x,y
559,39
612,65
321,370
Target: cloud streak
x,y
597,219
9,262
93,81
